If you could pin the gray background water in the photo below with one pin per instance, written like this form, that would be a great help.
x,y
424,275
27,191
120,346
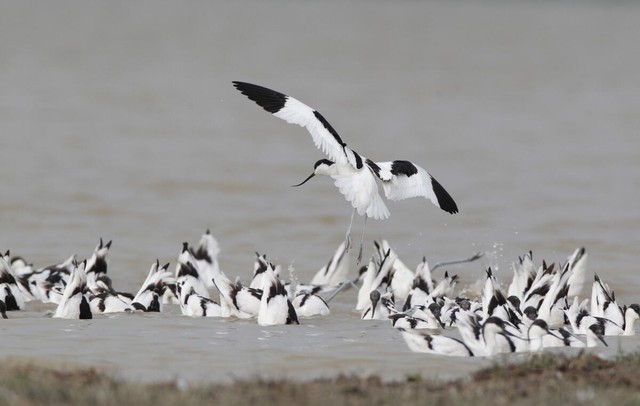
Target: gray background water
x,y
118,120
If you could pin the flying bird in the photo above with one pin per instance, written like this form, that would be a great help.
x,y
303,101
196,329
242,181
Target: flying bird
x,y
355,176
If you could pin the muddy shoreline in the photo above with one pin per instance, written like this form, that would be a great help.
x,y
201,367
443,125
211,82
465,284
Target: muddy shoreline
x,y
545,378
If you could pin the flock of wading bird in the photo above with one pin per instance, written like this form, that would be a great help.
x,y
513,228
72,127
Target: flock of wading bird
x,y
540,308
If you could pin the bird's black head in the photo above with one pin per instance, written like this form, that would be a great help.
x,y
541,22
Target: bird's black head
x,y
540,323
495,320
598,330
374,296
515,301
323,164
531,312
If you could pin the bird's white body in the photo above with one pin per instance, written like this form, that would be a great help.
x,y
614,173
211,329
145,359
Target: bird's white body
x,y
308,305
188,274
359,187
260,275
430,314
97,266
378,271
206,257
149,297
420,341
194,305
578,265
50,281
421,286
237,300
10,293
406,322
73,304
603,302
631,315
106,302
540,337
275,307
335,272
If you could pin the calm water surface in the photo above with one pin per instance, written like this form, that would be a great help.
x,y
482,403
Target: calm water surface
x,y
118,120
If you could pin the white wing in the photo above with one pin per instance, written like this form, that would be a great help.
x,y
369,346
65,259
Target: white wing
x,y
361,190
403,179
295,112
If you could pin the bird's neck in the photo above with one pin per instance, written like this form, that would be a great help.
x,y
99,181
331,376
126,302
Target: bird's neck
x,y
630,323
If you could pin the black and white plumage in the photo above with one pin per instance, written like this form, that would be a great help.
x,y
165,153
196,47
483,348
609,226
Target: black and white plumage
x,y
74,304
48,283
10,292
445,287
499,337
631,315
260,267
429,314
97,267
377,310
540,336
420,341
401,277
540,286
108,302
188,273
581,321
331,278
354,175
603,302
206,257
103,298
406,322
195,305
275,307
449,309
552,307
377,274
3,310
529,315
335,271
595,333
421,286
245,300
578,266
524,273
493,336
21,271
578,316
149,297
308,304
235,299
190,288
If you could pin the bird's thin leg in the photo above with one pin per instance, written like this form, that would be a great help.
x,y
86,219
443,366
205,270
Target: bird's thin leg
x,y
362,240
347,237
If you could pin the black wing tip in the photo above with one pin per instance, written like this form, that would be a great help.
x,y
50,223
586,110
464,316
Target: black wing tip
x,y
268,99
451,210
445,201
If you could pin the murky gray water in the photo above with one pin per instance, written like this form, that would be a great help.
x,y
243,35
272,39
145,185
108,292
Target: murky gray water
x,y
118,120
